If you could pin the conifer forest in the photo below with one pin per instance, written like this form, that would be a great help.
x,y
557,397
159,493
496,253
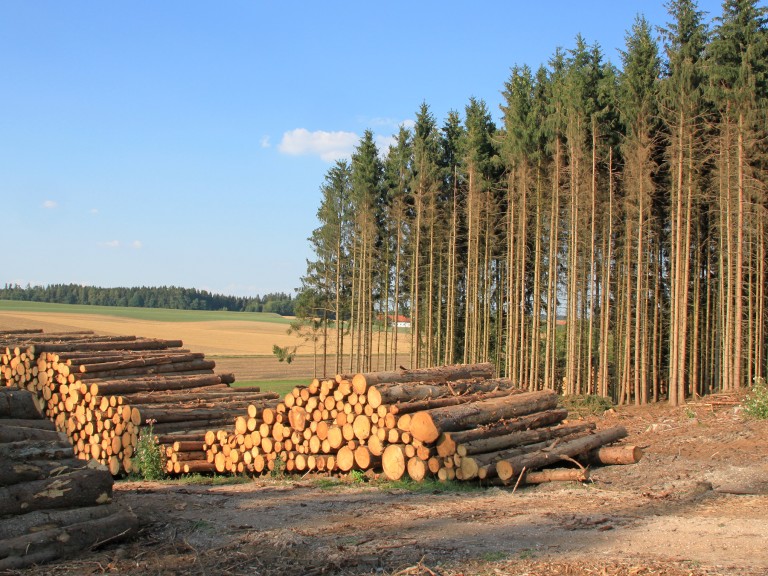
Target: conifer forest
x,y
604,232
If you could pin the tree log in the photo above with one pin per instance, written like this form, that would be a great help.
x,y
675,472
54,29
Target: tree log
x,y
16,403
361,381
556,475
20,433
615,455
170,368
24,471
393,461
15,526
95,344
147,384
139,362
60,542
429,424
39,423
412,391
405,408
509,468
35,450
81,487
497,443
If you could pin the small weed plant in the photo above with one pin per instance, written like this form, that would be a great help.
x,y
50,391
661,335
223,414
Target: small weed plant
x,y
587,404
148,461
279,470
756,403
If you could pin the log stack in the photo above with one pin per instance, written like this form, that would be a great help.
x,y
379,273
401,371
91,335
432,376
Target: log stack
x,y
102,390
451,422
52,505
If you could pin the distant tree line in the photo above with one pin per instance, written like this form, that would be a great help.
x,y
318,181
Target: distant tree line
x,y
609,236
172,297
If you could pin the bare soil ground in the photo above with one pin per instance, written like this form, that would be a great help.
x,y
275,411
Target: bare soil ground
x,y
696,504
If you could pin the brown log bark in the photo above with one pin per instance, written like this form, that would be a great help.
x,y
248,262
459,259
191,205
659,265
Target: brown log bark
x,y
140,362
16,403
615,455
15,526
21,433
405,408
429,424
361,381
35,450
147,384
446,443
123,344
511,468
57,543
522,438
82,487
198,466
413,391
168,369
556,475
39,423
24,471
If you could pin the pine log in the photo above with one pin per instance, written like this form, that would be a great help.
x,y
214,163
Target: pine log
x,y
35,450
81,487
522,438
39,423
406,408
393,461
615,455
20,433
556,475
15,526
123,344
427,425
61,542
447,442
512,467
168,369
361,381
412,391
139,362
16,403
23,471
416,468
147,384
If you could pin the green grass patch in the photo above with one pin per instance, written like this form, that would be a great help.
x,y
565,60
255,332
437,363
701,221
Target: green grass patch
x,y
586,404
282,387
431,485
149,314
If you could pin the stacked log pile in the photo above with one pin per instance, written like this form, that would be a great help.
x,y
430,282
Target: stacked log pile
x,y
102,390
451,422
52,505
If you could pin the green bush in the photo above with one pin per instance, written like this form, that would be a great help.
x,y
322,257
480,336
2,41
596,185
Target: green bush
x,y
756,402
586,404
148,461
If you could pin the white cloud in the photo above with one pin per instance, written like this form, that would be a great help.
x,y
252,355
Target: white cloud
x,y
50,204
111,244
94,211
264,142
330,146
137,244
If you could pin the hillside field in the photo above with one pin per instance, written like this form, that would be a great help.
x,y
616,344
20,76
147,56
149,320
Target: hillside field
x,y
239,342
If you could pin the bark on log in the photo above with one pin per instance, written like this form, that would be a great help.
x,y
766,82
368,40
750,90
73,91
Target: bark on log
x,y
509,468
556,475
169,369
83,487
429,424
147,384
405,408
413,391
16,403
17,472
39,423
123,344
141,361
361,381
15,526
522,438
57,543
615,455
21,433
34,450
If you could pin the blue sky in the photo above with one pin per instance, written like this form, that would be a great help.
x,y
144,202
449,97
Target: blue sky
x,y
184,142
